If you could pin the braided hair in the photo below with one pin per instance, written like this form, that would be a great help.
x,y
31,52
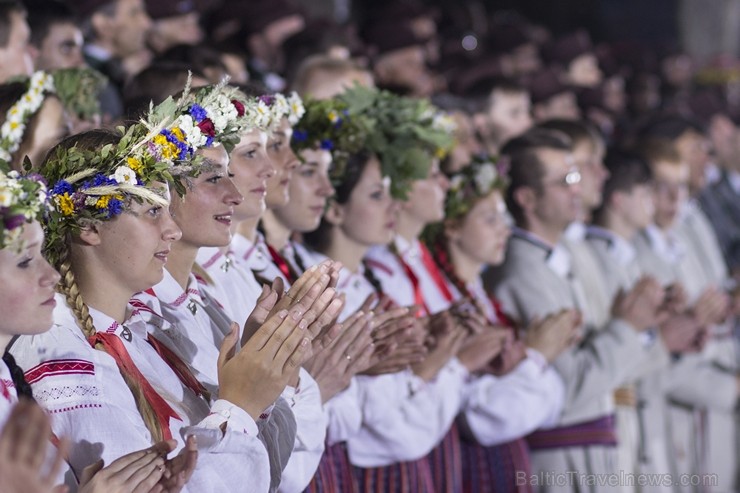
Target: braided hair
x,y
22,387
441,255
372,278
68,287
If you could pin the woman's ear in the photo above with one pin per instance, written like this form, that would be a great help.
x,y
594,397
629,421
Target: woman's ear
x,y
451,229
334,214
89,235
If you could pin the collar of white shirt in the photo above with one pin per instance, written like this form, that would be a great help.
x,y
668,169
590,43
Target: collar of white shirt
x,y
171,293
407,250
557,259
576,231
250,253
621,250
665,244
135,323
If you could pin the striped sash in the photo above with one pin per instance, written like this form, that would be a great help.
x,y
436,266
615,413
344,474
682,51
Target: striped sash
x,y
597,432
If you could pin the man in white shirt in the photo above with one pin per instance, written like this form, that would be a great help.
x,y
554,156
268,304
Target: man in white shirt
x,y
535,280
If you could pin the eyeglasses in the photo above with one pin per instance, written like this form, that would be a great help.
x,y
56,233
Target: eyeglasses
x,y
572,178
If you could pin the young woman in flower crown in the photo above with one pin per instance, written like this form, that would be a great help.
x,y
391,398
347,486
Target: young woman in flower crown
x,y
200,322
281,113
404,271
111,385
518,392
334,365
27,300
253,166
233,282
401,411
37,113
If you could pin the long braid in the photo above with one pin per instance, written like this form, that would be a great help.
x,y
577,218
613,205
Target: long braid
x,y
68,287
22,387
441,256
299,261
371,278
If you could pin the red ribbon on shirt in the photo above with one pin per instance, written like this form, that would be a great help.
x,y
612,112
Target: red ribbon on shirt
x,y
502,317
4,391
179,367
114,347
281,263
418,296
433,269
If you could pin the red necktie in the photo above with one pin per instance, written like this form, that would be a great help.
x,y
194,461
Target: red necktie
x,y
418,296
281,264
178,366
114,347
433,269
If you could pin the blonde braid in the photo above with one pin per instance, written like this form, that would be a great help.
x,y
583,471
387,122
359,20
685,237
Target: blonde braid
x,y
68,287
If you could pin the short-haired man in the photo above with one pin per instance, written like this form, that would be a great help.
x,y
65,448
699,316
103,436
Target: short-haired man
x,y
702,382
626,210
115,32
505,114
537,279
15,58
56,40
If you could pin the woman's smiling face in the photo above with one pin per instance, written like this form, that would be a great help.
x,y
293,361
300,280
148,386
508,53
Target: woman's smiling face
x,y
206,211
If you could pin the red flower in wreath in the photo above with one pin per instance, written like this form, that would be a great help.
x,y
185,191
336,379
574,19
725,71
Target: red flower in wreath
x,y
207,128
239,107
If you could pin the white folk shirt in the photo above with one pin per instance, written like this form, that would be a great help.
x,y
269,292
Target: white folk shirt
x,y
294,250
84,392
342,412
497,409
306,404
196,336
396,284
8,399
234,284
196,326
403,418
8,394
501,409
257,257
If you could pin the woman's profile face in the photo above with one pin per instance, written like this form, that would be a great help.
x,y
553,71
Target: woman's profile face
x,y
28,287
483,232
310,188
205,213
133,246
251,167
285,161
369,216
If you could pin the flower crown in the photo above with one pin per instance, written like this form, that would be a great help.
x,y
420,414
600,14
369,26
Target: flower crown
x,y
477,180
22,200
327,124
404,133
272,108
77,89
89,186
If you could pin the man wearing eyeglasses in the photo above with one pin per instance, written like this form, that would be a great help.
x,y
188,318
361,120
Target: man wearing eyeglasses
x,y
578,453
